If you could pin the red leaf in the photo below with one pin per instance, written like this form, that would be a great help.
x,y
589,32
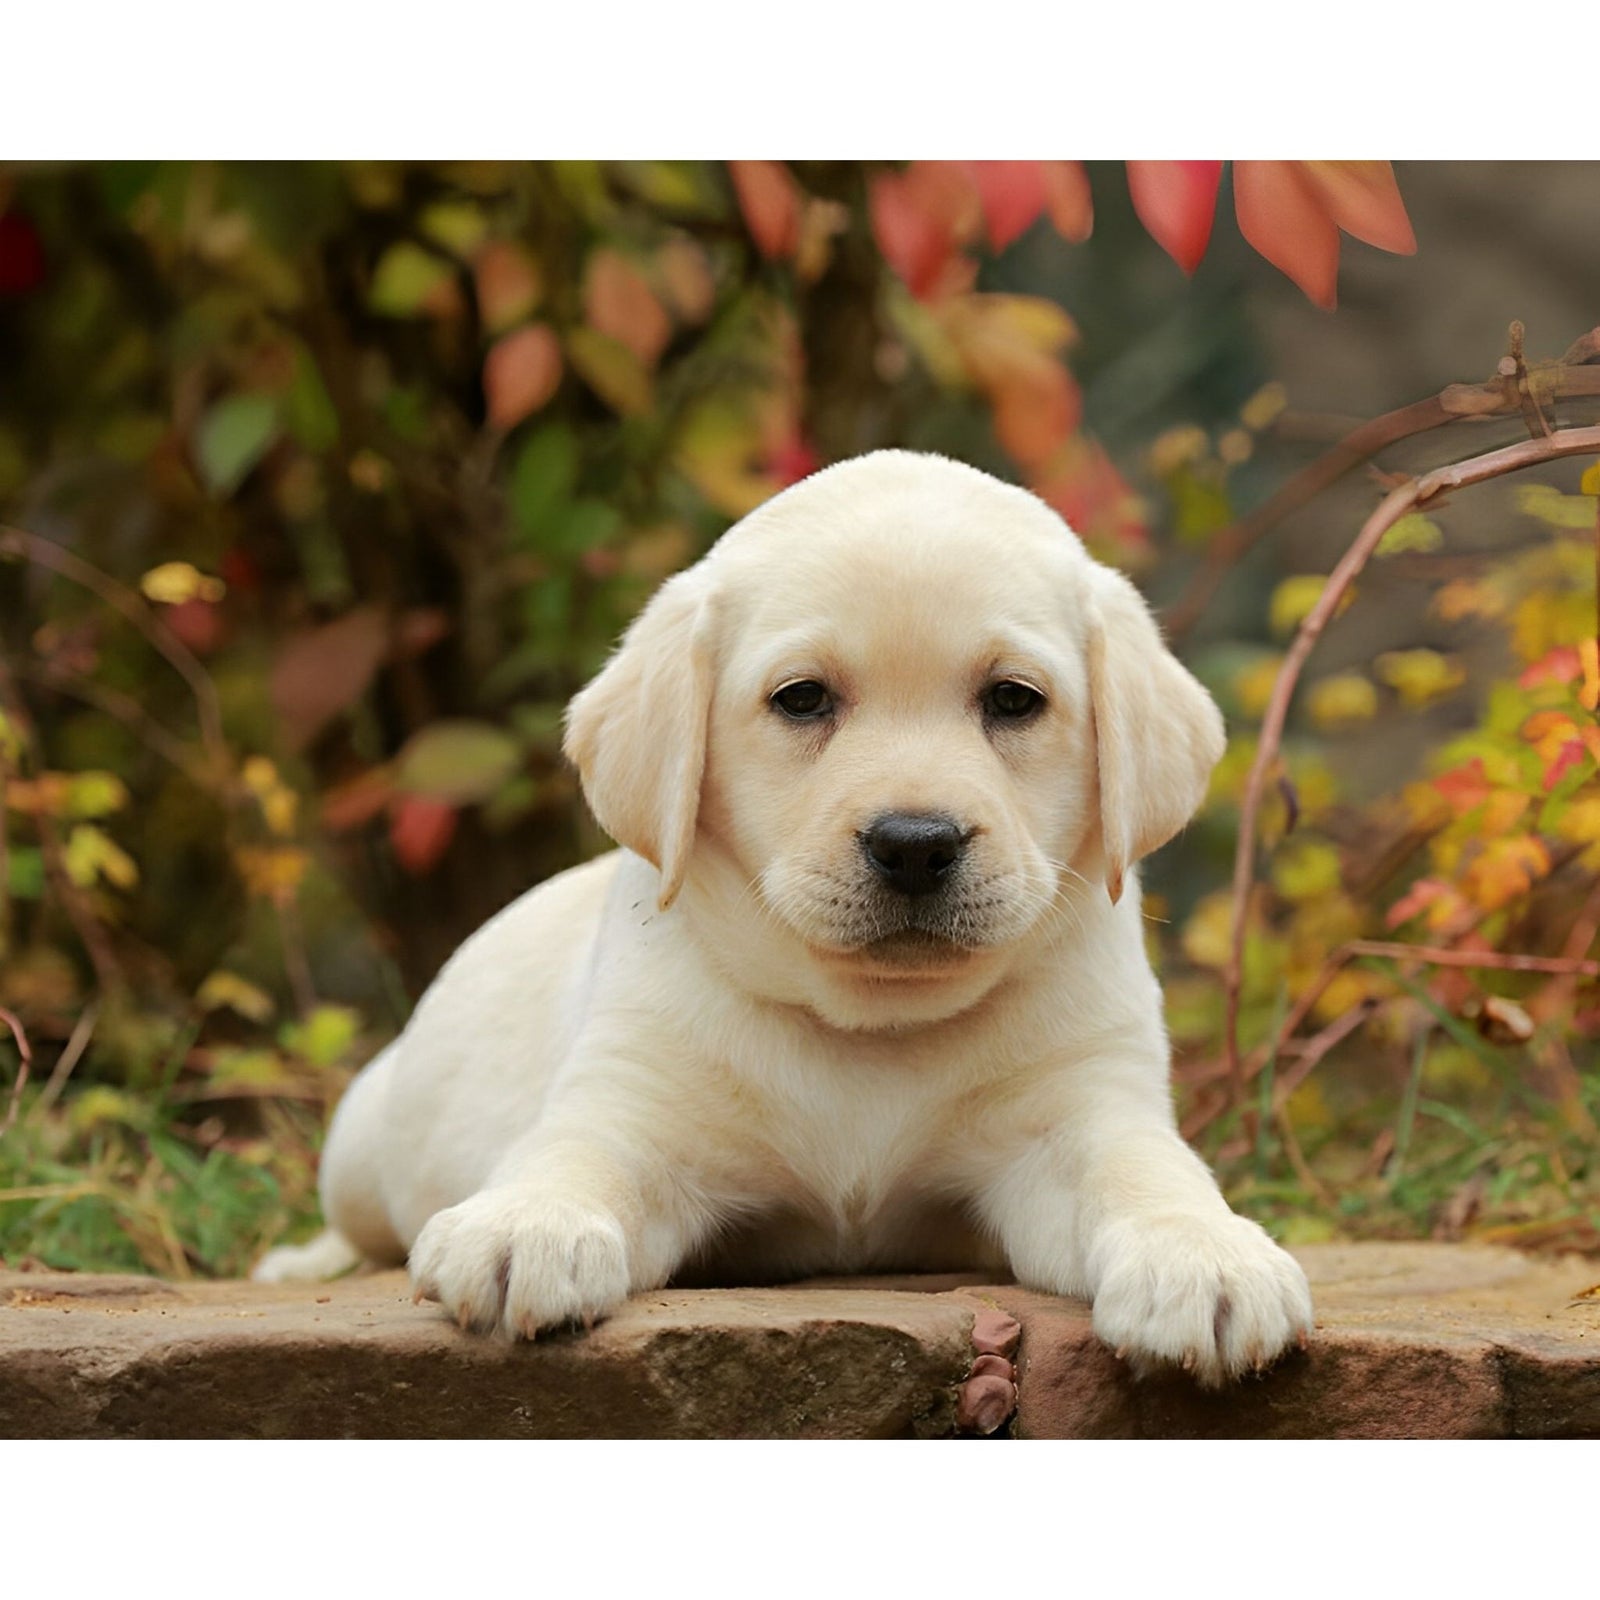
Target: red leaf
x,y
1561,665
921,217
1283,216
793,459
521,373
620,304
1571,754
420,831
508,284
21,254
1176,201
1012,194
770,200
1068,200
322,672
197,623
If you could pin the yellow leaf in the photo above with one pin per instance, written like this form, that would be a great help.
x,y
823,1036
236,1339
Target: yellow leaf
x,y
1177,448
1590,482
1411,532
274,872
1294,598
228,989
1305,868
91,855
94,1106
1208,934
1264,407
1549,505
173,582
1419,676
95,794
1579,822
1253,686
1342,700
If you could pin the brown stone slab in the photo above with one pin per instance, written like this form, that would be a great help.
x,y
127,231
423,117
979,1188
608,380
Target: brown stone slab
x,y
1412,1341
87,1357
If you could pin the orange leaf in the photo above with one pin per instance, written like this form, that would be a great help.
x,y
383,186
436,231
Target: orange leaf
x,y
1285,219
686,279
522,371
1464,788
1067,198
356,800
770,201
420,831
1363,199
1176,201
618,301
1505,869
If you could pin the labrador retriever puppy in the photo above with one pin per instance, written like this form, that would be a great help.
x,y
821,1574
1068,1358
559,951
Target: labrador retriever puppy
x,y
866,986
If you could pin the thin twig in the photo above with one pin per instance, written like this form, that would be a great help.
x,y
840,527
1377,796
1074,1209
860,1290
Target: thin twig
x,y
1573,377
82,1032
1477,469
1433,956
47,553
24,1062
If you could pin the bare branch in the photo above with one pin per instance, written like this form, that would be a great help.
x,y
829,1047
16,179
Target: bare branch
x,y
1477,469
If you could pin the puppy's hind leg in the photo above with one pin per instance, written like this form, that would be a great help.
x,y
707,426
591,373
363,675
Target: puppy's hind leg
x,y
329,1255
352,1193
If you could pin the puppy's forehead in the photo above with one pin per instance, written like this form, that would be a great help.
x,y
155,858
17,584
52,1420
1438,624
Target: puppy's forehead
x,y
913,543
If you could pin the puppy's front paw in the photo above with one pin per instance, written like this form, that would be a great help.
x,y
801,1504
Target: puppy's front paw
x,y
1214,1295
513,1261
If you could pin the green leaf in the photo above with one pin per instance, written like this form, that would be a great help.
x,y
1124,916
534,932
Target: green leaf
x,y
405,276
458,225
24,872
234,435
543,479
308,409
457,762
612,370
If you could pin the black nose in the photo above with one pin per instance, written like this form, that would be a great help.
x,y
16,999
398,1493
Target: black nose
x,y
913,852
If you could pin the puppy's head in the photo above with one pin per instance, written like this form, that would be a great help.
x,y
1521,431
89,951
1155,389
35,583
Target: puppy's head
x,y
894,720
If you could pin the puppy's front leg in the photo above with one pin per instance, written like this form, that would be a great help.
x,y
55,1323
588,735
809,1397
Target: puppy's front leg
x,y
1112,1204
570,1225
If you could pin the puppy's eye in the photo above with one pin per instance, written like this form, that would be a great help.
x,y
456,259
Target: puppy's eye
x,y
805,701
1009,701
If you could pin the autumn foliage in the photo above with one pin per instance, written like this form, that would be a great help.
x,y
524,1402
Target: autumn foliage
x,y
324,488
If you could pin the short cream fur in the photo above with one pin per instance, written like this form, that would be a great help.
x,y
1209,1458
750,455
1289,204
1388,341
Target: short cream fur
x,y
727,1052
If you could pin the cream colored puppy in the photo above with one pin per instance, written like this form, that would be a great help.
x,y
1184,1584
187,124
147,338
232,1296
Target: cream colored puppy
x,y
866,988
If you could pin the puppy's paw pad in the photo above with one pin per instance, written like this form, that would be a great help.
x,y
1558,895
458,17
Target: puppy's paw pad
x,y
515,1263
1213,1296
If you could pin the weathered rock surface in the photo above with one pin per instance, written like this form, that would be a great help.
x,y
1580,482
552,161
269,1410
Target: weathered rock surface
x,y
1412,1341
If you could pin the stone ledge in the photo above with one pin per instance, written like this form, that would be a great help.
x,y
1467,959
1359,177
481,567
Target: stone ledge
x,y
1413,1341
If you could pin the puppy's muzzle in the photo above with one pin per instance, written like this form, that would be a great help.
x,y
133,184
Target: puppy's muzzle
x,y
913,852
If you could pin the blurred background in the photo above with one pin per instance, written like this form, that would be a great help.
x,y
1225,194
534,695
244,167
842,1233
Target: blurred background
x,y
323,487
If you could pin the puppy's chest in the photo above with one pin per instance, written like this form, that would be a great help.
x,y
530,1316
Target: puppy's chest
x,y
853,1152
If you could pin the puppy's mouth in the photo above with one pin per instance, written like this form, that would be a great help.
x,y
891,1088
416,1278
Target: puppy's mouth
x,y
913,949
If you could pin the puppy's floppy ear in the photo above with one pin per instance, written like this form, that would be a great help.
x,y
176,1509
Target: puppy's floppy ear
x,y
637,733
1158,733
